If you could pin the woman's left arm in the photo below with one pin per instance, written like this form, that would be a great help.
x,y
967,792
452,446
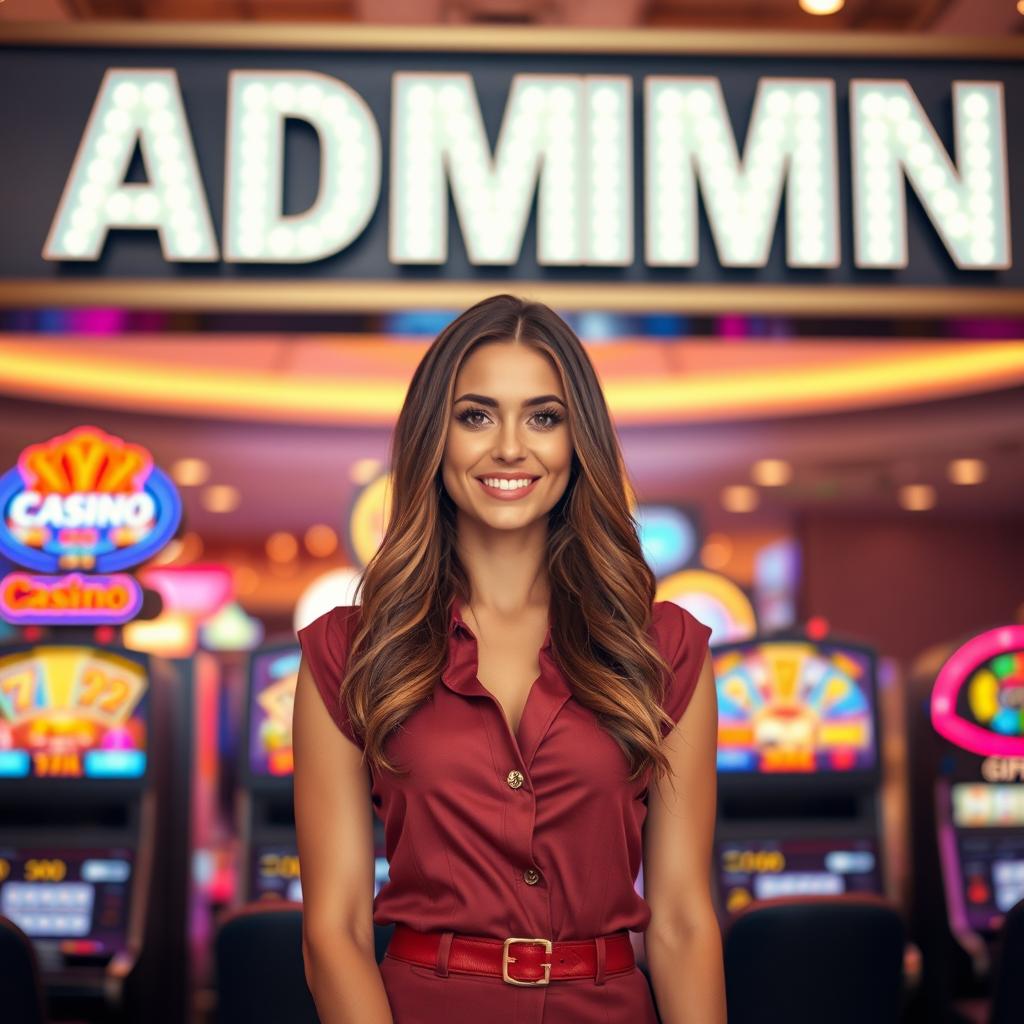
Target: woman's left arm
x,y
683,940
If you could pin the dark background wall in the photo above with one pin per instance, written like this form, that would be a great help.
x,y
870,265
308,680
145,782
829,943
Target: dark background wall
x,y
905,582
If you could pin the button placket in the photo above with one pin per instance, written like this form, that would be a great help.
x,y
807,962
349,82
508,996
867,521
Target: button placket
x,y
529,878
548,693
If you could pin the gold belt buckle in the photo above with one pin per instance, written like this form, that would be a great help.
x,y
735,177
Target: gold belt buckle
x,y
506,960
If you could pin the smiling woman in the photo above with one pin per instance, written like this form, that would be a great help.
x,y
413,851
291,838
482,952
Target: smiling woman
x,y
506,693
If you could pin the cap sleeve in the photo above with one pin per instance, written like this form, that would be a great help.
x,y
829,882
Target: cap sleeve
x,y
324,644
683,641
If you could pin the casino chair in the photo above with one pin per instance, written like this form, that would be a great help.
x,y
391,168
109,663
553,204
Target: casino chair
x,y
259,967
260,973
808,959
1008,977
21,990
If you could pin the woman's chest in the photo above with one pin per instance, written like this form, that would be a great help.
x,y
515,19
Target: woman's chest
x,y
461,747
508,664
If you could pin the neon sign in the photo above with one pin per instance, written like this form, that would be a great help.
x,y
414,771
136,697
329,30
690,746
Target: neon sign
x,y
72,600
978,697
86,500
88,504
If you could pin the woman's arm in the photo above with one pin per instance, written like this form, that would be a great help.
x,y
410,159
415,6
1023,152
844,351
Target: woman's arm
x,y
683,940
334,827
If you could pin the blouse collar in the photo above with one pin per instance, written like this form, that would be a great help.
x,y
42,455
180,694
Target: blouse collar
x,y
549,692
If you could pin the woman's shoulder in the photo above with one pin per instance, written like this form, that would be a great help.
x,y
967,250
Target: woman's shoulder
x,y
334,620
683,641
673,625
325,644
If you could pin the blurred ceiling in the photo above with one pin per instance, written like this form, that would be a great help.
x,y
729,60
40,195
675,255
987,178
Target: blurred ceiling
x,y
361,380
973,17
296,470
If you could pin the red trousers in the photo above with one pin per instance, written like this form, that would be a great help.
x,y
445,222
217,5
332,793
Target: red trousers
x,y
418,995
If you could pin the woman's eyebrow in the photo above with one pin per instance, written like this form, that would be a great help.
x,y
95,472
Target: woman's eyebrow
x,y
493,402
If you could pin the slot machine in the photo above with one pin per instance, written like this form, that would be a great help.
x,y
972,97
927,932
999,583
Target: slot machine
x,y
270,863
94,768
967,741
798,771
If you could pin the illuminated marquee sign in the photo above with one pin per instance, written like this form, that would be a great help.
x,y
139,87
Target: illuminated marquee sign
x,y
85,501
347,164
566,139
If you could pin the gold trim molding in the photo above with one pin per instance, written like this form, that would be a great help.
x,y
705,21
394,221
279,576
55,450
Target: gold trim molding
x,y
558,40
330,296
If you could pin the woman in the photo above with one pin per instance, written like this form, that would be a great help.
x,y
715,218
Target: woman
x,y
510,699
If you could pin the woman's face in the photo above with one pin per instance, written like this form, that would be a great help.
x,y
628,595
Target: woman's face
x,y
509,420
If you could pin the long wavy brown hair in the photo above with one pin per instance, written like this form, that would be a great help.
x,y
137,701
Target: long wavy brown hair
x,y
601,587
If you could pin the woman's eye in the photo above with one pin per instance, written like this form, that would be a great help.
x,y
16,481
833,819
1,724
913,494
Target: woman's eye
x,y
466,416
552,417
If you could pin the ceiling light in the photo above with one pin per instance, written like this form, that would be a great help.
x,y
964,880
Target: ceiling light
x,y
967,471
190,472
716,551
320,540
282,547
821,6
739,498
247,580
220,498
917,497
771,472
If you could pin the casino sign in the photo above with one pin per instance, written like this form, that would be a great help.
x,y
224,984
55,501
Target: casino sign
x,y
76,510
359,167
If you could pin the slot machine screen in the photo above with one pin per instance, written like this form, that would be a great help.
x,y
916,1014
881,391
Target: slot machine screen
x,y
274,870
795,707
988,825
273,675
72,902
766,869
72,712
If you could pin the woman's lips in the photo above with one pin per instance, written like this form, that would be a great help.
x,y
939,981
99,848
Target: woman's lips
x,y
507,495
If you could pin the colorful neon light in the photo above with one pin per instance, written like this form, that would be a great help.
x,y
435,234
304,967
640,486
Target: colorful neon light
x,y
198,590
714,599
989,670
72,600
85,500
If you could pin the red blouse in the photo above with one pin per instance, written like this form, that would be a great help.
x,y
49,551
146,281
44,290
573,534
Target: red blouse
x,y
495,834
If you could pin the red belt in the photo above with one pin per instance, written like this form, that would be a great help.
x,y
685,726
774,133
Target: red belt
x,y
537,961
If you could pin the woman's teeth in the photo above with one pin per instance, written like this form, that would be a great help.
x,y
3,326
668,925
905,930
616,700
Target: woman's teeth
x,y
506,485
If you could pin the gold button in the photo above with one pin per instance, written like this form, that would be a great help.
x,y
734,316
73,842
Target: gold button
x,y
514,778
531,876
